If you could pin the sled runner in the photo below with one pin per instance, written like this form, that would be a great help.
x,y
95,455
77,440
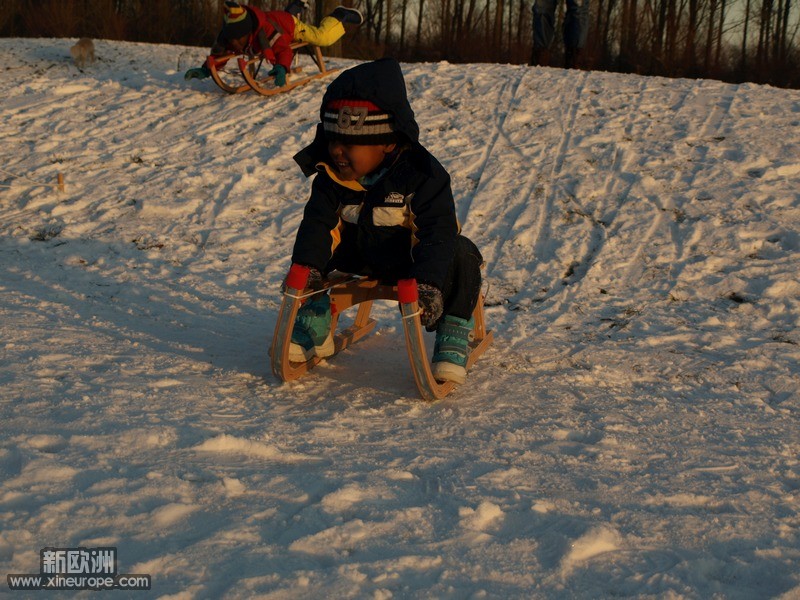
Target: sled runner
x,y
251,72
350,290
225,78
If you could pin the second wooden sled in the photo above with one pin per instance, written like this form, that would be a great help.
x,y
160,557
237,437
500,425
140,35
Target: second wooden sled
x,y
252,74
349,291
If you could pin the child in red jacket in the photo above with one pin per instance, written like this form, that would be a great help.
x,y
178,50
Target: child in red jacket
x,y
271,33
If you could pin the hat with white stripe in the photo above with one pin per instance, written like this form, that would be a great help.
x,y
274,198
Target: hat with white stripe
x,y
358,122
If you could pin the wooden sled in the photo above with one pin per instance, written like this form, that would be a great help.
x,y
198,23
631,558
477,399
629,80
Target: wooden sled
x,y
251,72
348,291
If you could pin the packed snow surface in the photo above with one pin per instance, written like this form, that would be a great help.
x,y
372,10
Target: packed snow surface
x,y
633,431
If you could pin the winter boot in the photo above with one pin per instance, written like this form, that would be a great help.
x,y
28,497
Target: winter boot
x,y
451,349
347,15
312,335
296,7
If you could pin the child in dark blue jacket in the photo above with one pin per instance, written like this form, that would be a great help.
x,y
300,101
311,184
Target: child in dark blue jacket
x,y
381,205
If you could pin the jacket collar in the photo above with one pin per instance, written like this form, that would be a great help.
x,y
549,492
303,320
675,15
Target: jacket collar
x,y
351,185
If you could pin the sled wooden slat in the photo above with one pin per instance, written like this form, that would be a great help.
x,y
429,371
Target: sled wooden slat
x,y
347,292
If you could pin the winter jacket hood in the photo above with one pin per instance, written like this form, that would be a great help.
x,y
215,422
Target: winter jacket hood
x,y
380,82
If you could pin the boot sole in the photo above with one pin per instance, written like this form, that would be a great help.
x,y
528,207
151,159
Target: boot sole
x,y
299,354
447,371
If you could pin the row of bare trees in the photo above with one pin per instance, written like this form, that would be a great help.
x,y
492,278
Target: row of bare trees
x,y
736,40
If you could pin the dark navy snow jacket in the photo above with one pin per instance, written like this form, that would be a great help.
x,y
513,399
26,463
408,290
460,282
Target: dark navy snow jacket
x,y
403,225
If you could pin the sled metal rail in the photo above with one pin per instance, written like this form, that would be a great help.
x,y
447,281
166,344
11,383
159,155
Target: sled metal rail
x,y
348,291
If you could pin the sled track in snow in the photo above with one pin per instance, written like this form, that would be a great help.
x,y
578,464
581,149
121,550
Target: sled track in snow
x,y
618,183
626,171
546,210
664,207
712,130
506,97
528,213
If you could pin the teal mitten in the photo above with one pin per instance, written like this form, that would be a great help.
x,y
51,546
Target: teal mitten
x,y
279,71
197,73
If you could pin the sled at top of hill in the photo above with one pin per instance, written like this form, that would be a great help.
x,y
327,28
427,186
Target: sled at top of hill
x,y
347,291
251,71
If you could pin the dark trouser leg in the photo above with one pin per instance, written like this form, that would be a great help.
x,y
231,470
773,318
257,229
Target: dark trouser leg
x,y
544,22
576,25
463,284
544,27
461,287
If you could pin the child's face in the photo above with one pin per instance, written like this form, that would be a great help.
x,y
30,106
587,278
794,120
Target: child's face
x,y
353,161
239,44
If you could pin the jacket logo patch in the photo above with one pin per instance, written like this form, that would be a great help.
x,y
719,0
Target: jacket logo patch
x,y
394,198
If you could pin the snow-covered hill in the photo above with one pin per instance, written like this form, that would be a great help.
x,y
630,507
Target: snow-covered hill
x,y
632,432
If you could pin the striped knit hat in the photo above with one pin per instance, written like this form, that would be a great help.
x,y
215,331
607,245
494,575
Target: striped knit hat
x,y
238,21
358,122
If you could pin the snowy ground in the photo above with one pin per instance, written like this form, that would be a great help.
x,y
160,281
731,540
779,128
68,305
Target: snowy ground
x,y
632,432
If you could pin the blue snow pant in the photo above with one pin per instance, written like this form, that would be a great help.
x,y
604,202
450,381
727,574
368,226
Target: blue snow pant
x,y
576,23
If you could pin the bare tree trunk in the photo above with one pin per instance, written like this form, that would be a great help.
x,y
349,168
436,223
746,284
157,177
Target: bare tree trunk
x,y
509,29
388,37
419,23
676,20
743,65
784,45
689,57
445,29
458,21
710,33
720,28
763,34
521,23
379,21
470,26
660,31
497,33
629,23
487,30
403,27
775,29
607,31
671,34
